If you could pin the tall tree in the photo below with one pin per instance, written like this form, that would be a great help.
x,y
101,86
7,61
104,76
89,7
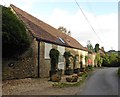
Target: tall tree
x,y
102,48
96,48
89,45
63,29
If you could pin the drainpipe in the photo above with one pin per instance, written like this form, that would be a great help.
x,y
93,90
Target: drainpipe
x,y
38,59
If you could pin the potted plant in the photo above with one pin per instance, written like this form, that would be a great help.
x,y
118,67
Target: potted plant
x,y
54,56
68,70
73,78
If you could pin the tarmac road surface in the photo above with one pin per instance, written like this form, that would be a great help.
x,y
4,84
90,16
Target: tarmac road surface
x,y
102,82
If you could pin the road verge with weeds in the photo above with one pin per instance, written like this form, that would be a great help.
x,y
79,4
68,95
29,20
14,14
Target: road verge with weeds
x,y
81,79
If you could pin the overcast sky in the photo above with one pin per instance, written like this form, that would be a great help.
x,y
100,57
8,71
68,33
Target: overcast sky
x,y
102,14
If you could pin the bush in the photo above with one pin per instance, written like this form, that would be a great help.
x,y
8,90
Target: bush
x,y
111,60
54,55
55,74
14,37
67,55
90,67
68,71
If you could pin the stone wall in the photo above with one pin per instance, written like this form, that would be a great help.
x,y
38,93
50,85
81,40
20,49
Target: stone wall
x,y
44,63
22,67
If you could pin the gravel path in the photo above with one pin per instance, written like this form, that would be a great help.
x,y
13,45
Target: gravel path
x,y
30,86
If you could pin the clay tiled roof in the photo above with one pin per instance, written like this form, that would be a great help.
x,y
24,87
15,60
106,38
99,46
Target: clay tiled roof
x,y
44,32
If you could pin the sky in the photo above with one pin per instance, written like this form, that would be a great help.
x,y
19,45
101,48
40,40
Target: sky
x,y
101,14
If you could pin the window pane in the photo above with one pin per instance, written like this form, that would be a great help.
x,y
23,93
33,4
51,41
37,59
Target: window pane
x,y
48,47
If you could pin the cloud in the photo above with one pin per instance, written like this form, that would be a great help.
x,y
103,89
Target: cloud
x,y
23,4
106,26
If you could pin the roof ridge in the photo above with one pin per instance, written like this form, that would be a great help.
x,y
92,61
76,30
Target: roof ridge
x,y
40,21
48,28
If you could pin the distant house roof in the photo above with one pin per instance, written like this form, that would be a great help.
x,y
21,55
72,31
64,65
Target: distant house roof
x,y
113,51
44,32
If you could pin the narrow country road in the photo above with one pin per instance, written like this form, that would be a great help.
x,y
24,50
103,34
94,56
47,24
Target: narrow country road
x,y
102,82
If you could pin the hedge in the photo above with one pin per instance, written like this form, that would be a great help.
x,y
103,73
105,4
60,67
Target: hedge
x,y
15,40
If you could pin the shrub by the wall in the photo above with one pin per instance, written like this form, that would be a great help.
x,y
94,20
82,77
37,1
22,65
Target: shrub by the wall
x,y
14,37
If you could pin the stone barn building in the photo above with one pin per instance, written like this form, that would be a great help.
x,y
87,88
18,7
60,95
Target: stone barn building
x,y
36,61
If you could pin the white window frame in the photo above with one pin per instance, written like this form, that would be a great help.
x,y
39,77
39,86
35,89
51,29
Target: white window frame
x,y
61,64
